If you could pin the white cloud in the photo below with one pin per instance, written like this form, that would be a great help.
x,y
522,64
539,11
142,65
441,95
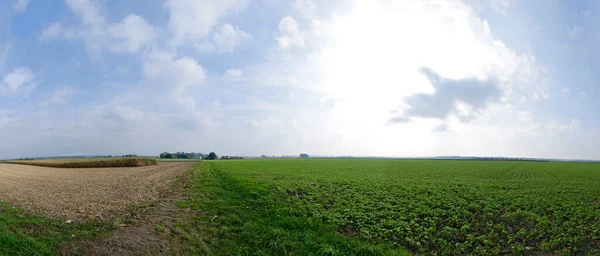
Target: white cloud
x,y
189,21
500,6
306,7
367,60
442,128
511,127
17,78
227,37
59,96
131,34
224,39
125,113
576,32
53,31
176,74
565,90
88,11
289,33
349,73
233,73
194,19
363,54
20,5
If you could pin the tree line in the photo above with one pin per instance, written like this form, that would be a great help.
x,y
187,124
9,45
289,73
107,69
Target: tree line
x,y
190,155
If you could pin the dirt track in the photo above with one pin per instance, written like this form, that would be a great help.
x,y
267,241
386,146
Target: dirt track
x,y
80,194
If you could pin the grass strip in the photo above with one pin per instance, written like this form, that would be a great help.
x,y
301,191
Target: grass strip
x,y
24,234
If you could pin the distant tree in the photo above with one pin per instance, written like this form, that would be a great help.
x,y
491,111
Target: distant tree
x,y
303,155
212,156
166,155
181,155
264,156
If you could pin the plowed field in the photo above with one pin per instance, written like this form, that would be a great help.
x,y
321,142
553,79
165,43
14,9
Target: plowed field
x,y
84,194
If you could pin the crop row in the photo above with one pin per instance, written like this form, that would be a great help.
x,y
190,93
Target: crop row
x,y
442,207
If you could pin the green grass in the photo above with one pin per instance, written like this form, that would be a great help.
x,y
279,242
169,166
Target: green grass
x,y
88,163
25,234
381,207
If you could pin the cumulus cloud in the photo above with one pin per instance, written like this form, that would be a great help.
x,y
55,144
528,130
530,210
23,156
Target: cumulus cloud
x,y
289,33
461,97
369,59
305,7
332,94
175,75
88,11
173,72
224,39
131,34
194,19
189,21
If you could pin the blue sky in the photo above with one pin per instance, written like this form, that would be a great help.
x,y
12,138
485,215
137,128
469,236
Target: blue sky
x,y
244,77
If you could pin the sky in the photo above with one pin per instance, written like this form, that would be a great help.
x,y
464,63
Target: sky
x,y
251,77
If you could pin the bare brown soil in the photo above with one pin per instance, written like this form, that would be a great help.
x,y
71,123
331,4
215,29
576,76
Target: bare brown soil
x,y
63,160
85,194
149,232
89,162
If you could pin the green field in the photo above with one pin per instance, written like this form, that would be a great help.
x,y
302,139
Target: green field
x,y
361,207
369,206
177,160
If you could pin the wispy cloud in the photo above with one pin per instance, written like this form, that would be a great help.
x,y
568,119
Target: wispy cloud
x,y
20,5
576,32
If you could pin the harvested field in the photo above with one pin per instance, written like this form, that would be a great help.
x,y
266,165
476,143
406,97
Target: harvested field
x,y
84,194
88,162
